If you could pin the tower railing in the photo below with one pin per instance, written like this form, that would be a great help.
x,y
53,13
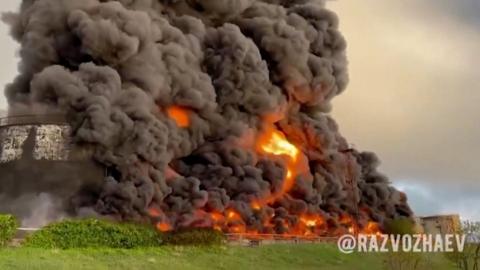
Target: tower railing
x,y
32,119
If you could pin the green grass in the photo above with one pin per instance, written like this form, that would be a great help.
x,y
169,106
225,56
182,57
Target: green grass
x,y
278,257
8,228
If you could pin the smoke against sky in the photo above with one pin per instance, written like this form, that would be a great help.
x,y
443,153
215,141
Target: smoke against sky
x,y
413,83
205,113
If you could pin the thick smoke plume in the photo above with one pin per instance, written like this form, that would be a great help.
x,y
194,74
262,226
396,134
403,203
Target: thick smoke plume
x,y
181,100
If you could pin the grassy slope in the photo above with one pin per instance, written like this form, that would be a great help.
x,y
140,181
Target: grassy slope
x,y
276,257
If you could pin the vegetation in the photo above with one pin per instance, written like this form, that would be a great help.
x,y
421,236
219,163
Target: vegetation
x,y
400,226
410,261
469,258
195,237
94,244
277,257
401,260
91,233
8,228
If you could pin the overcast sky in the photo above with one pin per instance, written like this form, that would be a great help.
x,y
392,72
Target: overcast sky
x,y
8,48
413,98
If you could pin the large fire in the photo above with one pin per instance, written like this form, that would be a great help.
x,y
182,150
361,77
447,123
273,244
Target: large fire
x,y
204,114
274,143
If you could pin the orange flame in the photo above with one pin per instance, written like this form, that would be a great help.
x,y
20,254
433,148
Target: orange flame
x,y
273,142
233,216
164,227
256,205
276,144
161,226
180,115
312,220
216,216
153,212
308,225
372,228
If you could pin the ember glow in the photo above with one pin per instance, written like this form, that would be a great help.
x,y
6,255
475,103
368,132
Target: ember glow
x,y
164,227
180,115
372,228
307,225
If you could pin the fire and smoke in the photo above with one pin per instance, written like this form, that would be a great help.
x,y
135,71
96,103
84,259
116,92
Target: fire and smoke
x,y
207,113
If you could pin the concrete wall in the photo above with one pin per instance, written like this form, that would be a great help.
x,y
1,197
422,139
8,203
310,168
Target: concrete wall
x,y
39,164
50,142
442,224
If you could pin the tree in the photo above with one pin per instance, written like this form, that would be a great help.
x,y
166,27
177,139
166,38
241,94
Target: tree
x,y
469,258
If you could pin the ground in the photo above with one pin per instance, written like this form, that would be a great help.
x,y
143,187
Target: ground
x,y
278,257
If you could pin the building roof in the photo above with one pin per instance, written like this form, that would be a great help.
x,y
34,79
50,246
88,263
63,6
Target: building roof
x,y
440,216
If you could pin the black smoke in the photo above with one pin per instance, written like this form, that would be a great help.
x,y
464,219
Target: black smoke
x,y
114,67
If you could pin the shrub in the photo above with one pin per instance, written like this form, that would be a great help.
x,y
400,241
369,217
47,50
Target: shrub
x,y
8,228
400,226
195,237
408,261
469,258
91,233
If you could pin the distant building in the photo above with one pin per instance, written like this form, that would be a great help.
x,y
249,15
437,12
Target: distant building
x,y
3,113
440,224
418,225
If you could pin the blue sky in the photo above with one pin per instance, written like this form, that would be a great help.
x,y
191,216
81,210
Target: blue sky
x,y
413,96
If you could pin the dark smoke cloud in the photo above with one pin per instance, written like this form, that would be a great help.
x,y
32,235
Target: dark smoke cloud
x,y
114,67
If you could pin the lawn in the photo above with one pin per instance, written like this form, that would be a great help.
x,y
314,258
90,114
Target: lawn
x,y
305,256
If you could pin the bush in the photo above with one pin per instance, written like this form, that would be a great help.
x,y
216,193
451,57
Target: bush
x,y
91,233
195,237
8,228
469,258
409,261
400,226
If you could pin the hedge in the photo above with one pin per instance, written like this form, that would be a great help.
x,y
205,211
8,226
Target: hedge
x,y
8,228
92,233
195,236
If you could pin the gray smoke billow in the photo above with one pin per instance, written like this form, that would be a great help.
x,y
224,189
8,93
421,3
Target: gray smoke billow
x,y
115,67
